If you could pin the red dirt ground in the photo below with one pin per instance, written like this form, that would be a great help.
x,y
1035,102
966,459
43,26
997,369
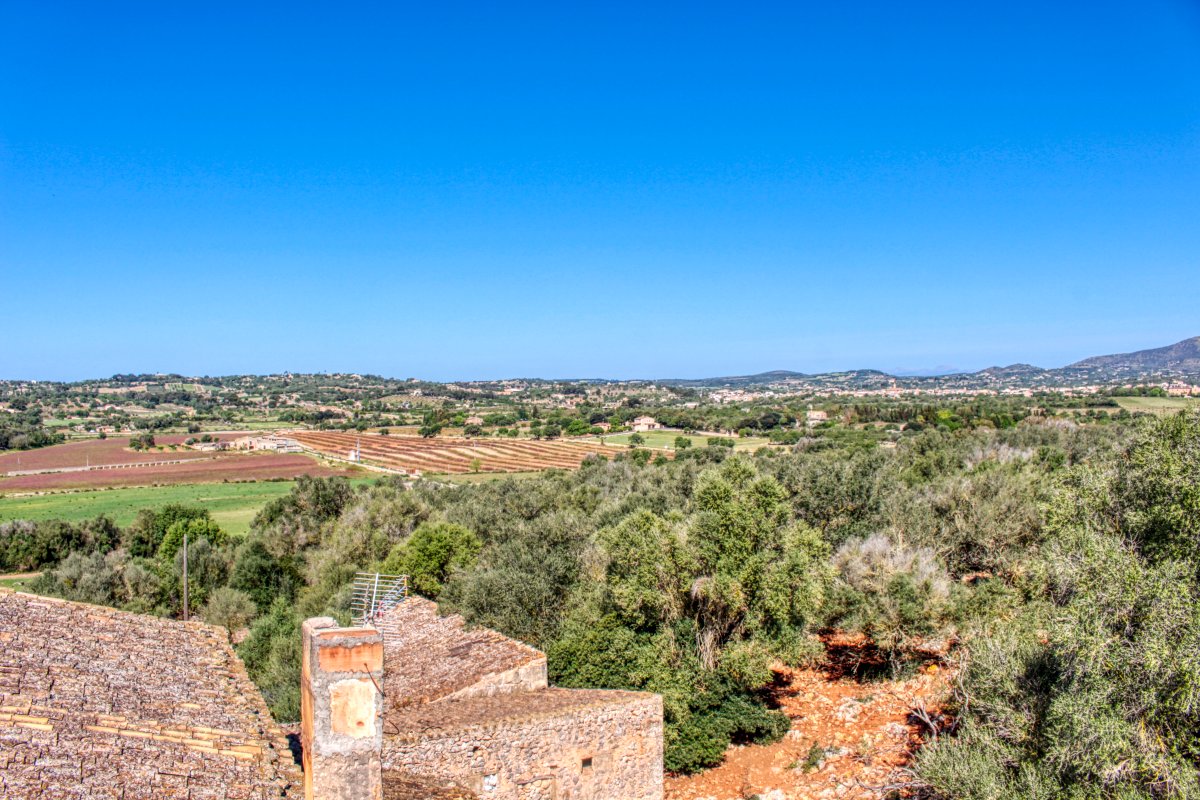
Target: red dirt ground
x,y
113,450
211,469
865,727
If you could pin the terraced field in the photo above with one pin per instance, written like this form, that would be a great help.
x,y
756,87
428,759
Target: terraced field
x,y
447,455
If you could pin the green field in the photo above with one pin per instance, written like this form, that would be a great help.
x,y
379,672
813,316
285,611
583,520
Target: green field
x,y
1157,405
233,505
18,582
657,440
59,422
252,425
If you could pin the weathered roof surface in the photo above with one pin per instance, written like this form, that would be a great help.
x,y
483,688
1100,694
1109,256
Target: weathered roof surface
x,y
429,657
400,785
479,712
100,703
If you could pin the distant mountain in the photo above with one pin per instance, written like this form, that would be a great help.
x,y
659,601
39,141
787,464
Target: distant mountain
x,y
1179,357
1011,371
1180,360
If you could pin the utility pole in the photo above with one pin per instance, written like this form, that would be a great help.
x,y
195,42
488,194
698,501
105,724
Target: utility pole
x,y
185,577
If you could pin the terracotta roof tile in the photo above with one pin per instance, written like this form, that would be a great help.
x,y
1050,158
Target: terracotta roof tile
x,y
430,656
99,703
483,711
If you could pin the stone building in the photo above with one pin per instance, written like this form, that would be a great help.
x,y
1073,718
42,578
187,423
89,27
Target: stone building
x,y
474,707
100,703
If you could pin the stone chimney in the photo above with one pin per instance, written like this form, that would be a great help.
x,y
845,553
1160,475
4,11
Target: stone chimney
x,y
341,711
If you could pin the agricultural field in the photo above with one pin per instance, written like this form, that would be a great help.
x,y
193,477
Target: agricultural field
x,y
263,424
657,440
95,452
447,455
73,466
482,477
232,505
1157,405
216,468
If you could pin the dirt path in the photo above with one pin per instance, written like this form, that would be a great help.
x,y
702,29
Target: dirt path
x,y
846,737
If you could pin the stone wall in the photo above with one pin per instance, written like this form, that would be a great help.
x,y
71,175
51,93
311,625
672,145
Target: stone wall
x,y
599,746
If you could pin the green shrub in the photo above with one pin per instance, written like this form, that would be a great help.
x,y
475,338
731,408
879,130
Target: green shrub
x,y
1096,696
894,594
229,608
431,554
272,656
1093,690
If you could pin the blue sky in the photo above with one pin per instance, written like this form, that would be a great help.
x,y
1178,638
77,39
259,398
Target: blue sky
x,y
459,191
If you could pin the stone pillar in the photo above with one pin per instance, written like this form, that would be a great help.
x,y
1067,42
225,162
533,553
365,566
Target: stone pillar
x,y
341,711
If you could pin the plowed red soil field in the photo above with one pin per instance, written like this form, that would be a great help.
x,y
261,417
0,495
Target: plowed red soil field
x,y
113,450
443,454
211,469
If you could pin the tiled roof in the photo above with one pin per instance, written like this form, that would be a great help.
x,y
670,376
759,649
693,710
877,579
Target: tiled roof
x,y
100,703
479,712
430,656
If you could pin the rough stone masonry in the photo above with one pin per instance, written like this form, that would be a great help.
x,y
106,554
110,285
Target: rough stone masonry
x,y
98,703
473,707
341,711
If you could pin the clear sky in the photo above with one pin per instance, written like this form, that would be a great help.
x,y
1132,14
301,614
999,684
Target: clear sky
x,y
458,191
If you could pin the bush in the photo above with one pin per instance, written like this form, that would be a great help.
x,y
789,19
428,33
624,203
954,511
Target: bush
x,y
1092,690
431,554
195,529
272,656
1093,697
229,608
701,740
893,594
145,535
262,576
141,441
26,545
87,578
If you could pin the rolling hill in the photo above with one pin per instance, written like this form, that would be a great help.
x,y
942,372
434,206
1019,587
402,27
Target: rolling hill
x,y
1181,357
1180,360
